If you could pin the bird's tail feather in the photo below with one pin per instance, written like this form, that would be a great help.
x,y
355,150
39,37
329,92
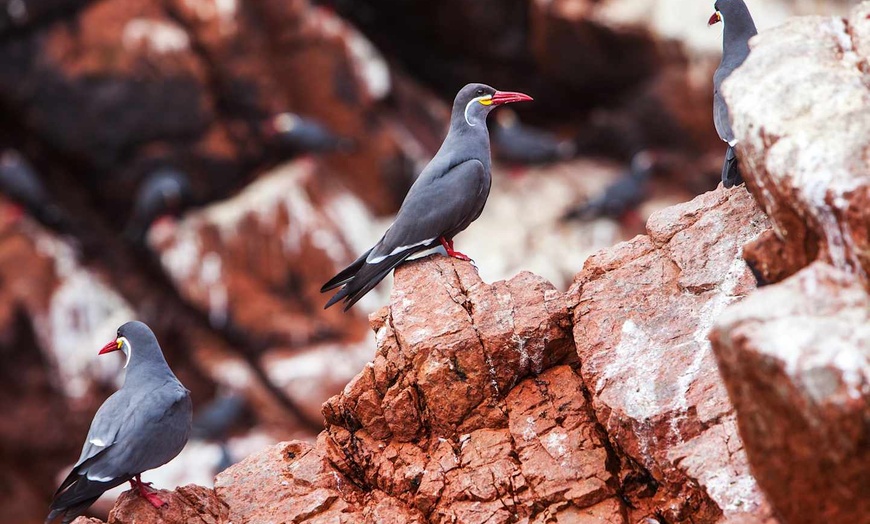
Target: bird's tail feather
x,y
366,277
345,274
731,169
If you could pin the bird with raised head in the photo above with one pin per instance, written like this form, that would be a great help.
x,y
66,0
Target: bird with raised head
x,y
739,28
142,426
448,195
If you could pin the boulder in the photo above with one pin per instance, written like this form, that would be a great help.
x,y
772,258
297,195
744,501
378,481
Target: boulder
x,y
800,108
642,311
796,360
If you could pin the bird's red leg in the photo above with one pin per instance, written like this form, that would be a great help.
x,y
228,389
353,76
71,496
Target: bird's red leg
x,y
448,246
146,492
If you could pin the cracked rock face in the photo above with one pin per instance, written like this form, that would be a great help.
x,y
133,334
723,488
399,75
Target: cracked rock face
x,y
476,408
642,314
800,108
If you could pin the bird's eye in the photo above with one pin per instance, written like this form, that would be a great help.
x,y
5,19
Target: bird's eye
x,y
480,92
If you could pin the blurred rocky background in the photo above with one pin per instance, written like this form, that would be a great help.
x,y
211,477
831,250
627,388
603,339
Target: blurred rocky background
x,y
205,165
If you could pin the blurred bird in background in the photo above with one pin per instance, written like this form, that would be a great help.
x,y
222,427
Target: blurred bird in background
x,y
517,144
165,192
21,184
294,135
620,199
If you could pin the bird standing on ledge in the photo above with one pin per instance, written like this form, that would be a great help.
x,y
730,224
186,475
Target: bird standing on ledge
x,y
447,196
739,28
144,425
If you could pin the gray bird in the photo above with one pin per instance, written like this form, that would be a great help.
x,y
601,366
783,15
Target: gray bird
x,y
142,426
739,28
20,183
621,197
516,143
297,135
164,192
447,196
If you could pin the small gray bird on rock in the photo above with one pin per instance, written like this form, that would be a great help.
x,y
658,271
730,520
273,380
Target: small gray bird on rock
x,y
144,425
447,196
739,28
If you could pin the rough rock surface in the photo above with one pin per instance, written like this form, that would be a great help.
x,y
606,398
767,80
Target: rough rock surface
x,y
800,108
796,356
642,313
796,360
476,409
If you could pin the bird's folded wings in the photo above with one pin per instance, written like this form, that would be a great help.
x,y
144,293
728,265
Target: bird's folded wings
x,y
437,206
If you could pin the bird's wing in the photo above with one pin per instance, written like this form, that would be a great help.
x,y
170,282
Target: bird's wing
x,y
721,119
444,205
132,439
435,206
720,109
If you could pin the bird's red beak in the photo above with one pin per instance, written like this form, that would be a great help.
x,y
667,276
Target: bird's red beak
x,y
715,19
508,97
111,346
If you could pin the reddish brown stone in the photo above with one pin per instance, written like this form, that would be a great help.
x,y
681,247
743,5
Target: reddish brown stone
x,y
800,111
641,318
190,504
796,360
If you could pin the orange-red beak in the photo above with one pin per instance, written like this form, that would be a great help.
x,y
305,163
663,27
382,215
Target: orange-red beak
x,y
114,345
508,97
715,19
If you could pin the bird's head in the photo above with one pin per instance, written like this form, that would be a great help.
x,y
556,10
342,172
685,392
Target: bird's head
x,y
474,102
130,335
728,10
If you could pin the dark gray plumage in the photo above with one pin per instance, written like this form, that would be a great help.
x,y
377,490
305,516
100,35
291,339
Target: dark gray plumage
x,y
297,135
20,183
142,426
739,28
447,196
516,143
164,192
621,197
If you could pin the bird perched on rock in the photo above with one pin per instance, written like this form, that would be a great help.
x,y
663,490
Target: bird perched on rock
x,y
19,182
516,143
164,192
447,196
739,28
297,135
142,426
622,196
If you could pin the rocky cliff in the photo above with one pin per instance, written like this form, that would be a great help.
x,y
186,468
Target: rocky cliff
x,y
514,402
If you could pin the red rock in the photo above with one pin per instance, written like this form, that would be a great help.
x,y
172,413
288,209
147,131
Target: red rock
x,y
254,263
189,504
800,130
796,359
642,311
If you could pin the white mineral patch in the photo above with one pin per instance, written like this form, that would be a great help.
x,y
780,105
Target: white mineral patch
x,y
83,315
161,36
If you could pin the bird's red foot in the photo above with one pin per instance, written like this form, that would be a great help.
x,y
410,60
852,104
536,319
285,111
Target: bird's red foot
x,y
448,246
147,493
